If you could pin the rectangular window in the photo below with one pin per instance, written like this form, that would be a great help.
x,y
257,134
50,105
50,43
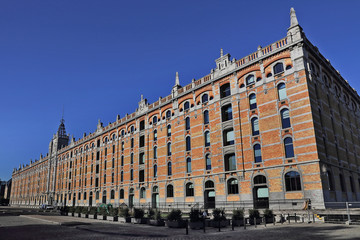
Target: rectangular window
x,y
141,176
142,125
142,158
142,141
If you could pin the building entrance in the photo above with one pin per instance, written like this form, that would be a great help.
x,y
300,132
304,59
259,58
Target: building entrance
x,y
209,195
260,192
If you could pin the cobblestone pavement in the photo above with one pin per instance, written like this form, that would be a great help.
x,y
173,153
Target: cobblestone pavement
x,y
63,227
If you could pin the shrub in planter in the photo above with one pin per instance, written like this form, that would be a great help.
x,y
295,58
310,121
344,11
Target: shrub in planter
x,y
254,214
102,213
174,219
71,211
150,213
78,210
84,212
195,219
124,215
268,215
238,217
93,213
64,210
138,216
219,218
113,214
156,219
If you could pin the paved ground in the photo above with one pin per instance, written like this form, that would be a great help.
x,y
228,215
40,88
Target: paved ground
x,y
17,224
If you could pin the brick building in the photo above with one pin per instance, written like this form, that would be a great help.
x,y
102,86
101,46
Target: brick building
x,y
278,126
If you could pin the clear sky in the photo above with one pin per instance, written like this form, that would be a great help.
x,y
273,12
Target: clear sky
x,y
96,58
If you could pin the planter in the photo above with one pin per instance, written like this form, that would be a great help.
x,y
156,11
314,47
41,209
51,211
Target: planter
x,y
138,220
84,215
77,214
239,222
91,216
223,223
258,221
101,217
269,220
154,222
196,225
112,218
70,214
124,219
176,224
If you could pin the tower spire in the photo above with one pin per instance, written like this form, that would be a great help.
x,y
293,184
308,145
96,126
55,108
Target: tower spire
x,y
293,19
177,82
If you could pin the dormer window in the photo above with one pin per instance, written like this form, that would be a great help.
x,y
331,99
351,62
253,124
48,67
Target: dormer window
x,y
250,80
168,114
186,106
155,120
225,90
205,98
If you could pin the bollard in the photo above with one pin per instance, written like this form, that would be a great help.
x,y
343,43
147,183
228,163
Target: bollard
x,y
295,218
264,219
232,224
204,224
255,222
289,218
303,219
187,227
219,225
244,223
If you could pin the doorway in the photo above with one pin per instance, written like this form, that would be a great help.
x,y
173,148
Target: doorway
x,y
209,195
155,197
260,192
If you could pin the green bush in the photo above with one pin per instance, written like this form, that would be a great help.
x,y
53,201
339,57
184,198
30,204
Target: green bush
x,y
218,214
268,213
102,211
151,213
113,212
254,213
175,215
93,211
71,209
85,210
157,215
124,212
195,215
138,213
238,214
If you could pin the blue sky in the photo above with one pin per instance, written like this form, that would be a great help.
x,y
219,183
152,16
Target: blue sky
x,y
96,58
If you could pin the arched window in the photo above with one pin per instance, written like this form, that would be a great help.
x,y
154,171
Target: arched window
x,y
289,148
131,158
169,169
122,160
233,187
257,153
168,114
226,112
169,130
155,152
225,90
169,191
285,118
292,181
209,184
112,194
252,101
207,138
84,195
131,174
155,119
278,68
250,80
281,91
188,143
187,123
208,162
206,117
104,197
155,171
228,136
132,129
122,176
169,149
204,98
186,105
142,192
230,162
259,179
121,194
122,133
255,126
188,165
189,190
113,137
155,135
